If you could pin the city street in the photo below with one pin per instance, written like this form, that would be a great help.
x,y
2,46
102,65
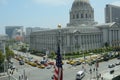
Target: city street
x,y
69,71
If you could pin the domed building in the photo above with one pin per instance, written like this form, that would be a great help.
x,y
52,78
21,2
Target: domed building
x,y
81,13
81,33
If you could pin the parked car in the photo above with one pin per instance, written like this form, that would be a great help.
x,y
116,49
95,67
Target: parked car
x,y
12,67
111,66
21,62
112,71
118,63
106,58
77,63
118,57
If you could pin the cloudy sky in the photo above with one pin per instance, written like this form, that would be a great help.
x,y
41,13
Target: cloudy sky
x,y
43,13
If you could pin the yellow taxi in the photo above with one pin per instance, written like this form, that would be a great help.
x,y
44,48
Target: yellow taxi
x,y
41,66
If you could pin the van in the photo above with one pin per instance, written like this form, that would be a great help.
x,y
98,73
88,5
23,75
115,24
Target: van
x,y
80,75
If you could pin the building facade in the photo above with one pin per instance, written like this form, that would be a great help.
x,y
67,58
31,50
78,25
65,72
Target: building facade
x,y
81,33
29,30
112,13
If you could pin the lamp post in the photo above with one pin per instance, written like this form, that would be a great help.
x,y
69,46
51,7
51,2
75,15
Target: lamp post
x,y
59,37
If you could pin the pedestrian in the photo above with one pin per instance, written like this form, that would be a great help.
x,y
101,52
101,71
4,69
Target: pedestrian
x,y
22,76
12,73
101,78
94,69
19,78
26,78
16,69
90,71
82,67
99,75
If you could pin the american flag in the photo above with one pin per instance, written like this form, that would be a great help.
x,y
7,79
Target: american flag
x,y
58,72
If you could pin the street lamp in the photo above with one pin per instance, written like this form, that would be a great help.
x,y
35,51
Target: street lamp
x,y
59,37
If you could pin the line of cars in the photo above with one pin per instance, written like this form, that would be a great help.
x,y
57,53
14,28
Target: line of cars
x,y
90,60
113,65
35,63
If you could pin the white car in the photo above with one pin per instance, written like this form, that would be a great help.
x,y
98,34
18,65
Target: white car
x,y
13,67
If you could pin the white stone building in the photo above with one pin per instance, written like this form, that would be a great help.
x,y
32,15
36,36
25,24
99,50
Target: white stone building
x,y
29,30
82,33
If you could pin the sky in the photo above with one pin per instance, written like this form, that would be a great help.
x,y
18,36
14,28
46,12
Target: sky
x,y
44,13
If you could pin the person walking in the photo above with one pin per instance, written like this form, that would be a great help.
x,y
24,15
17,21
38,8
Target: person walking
x,y
90,71
94,69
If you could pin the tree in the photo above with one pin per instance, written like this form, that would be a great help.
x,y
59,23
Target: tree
x,y
52,55
9,54
106,44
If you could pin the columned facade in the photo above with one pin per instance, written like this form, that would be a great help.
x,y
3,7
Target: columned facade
x,y
80,34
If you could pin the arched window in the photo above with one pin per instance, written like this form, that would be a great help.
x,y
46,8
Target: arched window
x,y
86,15
77,16
82,16
73,16
90,16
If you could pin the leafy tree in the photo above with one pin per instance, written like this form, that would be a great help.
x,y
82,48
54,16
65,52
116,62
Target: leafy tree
x,y
106,44
52,55
9,54
23,48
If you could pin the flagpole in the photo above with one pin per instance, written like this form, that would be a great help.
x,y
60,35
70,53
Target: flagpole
x,y
59,45
59,37
58,72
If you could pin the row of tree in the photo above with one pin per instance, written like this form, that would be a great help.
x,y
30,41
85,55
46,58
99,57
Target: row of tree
x,y
8,55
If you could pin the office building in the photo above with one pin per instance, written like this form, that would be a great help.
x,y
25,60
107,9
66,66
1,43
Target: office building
x,y
112,14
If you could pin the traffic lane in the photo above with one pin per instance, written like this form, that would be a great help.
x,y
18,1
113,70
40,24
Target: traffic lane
x,y
103,66
69,72
40,74
18,66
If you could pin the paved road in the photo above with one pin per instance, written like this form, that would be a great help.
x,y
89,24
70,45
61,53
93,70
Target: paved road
x,y
69,73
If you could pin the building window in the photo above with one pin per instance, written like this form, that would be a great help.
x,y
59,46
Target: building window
x,y
86,15
82,16
73,16
90,16
77,16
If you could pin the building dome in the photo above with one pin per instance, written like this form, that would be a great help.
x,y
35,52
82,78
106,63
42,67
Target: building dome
x,y
81,4
81,13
